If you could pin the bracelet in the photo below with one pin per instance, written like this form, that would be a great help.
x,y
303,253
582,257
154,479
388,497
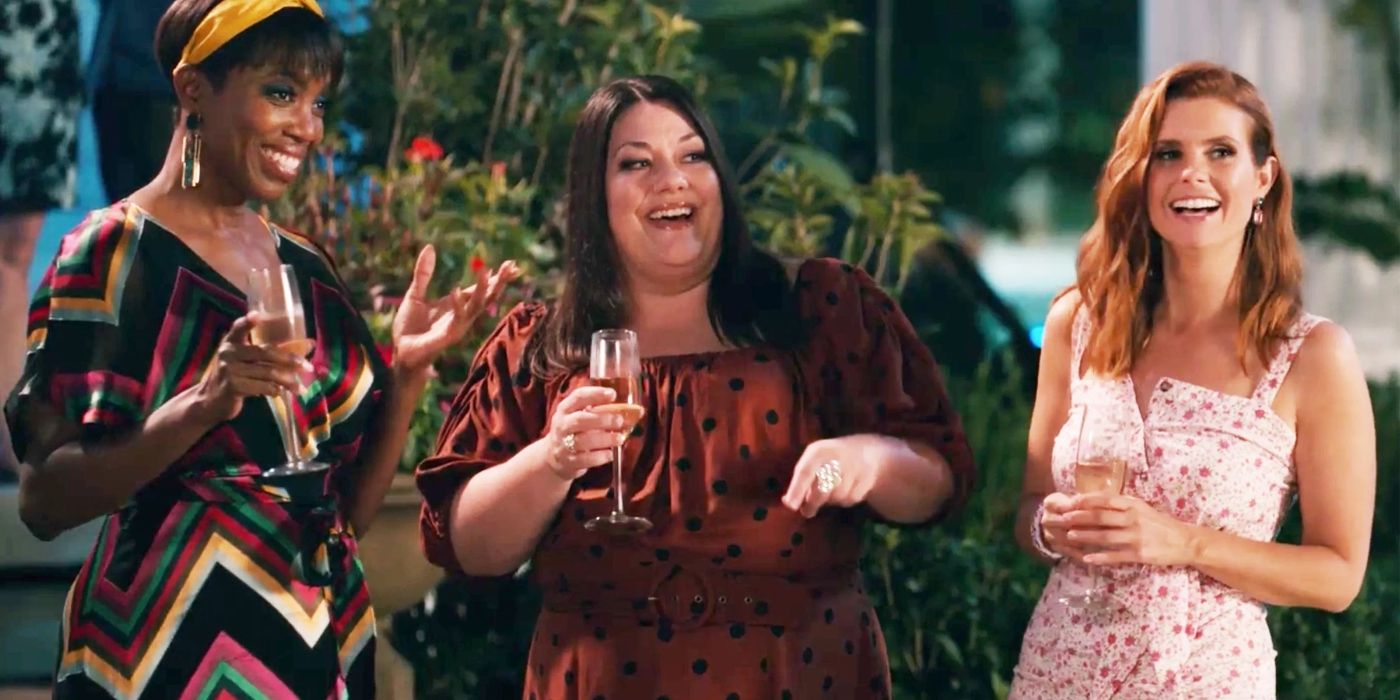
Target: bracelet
x,y
1036,540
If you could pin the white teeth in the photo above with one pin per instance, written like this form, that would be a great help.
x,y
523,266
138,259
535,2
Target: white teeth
x,y
672,213
1196,203
288,163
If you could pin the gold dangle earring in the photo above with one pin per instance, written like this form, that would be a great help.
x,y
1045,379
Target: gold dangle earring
x,y
189,174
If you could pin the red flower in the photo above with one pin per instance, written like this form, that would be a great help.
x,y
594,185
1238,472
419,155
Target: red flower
x,y
423,148
478,264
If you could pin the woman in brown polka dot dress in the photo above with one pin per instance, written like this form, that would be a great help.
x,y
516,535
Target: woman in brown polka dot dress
x,y
785,405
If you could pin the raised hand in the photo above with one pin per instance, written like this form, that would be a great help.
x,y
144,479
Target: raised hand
x,y
424,328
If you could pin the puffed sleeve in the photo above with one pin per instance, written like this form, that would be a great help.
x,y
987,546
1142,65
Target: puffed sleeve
x,y
90,339
499,410
868,372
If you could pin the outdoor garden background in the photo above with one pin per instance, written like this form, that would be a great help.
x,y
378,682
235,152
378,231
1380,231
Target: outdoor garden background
x,y
905,146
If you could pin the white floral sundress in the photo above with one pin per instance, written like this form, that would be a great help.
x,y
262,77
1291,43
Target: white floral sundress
x,y
1219,460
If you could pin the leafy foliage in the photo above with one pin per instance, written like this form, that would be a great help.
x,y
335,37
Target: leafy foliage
x,y
1349,208
492,110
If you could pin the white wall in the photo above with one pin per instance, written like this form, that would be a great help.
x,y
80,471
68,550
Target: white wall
x,y
1326,90
1324,85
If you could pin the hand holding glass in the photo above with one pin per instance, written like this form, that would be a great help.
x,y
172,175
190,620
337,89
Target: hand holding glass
x,y
272,293
1100,467
615,363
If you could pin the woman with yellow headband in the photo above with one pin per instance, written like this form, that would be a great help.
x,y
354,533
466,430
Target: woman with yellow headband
x,y
145,400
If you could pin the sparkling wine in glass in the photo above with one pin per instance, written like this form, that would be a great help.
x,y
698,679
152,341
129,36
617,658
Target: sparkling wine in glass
x,y
272,292
615,363
1101,466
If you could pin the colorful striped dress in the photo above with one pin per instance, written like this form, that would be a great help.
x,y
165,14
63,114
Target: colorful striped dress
x,y
209,580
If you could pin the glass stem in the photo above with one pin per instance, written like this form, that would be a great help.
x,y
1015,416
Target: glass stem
x,y
617,479
289,430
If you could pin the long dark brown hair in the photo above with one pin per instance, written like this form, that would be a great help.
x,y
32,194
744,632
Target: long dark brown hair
x,y
750,300
1120,258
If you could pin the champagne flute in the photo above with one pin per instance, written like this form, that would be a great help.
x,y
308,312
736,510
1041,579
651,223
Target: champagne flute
x,y
1100,466
615,363
272,292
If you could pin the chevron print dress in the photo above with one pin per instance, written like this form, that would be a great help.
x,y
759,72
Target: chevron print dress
x,y
209,582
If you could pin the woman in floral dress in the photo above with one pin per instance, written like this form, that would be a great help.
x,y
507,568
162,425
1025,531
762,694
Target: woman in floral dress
x,y
1186,322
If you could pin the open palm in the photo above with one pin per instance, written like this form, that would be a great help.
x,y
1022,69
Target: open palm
x,y
424,328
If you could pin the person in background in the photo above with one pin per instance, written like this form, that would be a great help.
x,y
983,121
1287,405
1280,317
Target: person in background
x,y
1185,347
132,102
40,99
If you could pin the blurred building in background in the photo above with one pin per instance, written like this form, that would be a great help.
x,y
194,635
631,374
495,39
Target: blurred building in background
x,y
1325,79
1328,70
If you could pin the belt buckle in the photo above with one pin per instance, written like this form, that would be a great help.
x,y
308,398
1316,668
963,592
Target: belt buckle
x,y
683,590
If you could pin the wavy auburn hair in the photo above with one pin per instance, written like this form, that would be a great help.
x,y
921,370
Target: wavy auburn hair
x,y
1119,270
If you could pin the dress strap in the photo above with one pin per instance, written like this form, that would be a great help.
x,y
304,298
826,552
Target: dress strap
x,y
1079,340
1282,361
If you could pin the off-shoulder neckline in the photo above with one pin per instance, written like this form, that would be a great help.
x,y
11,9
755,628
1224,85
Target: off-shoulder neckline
x,y
539,307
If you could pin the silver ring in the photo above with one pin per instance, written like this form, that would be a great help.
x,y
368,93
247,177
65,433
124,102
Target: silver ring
x,y
829,476
571,443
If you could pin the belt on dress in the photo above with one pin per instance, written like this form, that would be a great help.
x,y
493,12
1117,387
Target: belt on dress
x,y
686,596
325,539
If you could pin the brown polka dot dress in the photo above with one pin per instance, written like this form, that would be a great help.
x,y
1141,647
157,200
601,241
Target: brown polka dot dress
x,y
730,594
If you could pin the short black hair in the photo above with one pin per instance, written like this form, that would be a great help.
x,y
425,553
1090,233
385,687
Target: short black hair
x,y
295,40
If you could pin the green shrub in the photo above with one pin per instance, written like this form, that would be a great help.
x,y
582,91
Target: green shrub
x,y
953,600
952,609
1354,654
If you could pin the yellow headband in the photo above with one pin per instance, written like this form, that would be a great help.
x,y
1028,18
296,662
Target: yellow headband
x,y
230,18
